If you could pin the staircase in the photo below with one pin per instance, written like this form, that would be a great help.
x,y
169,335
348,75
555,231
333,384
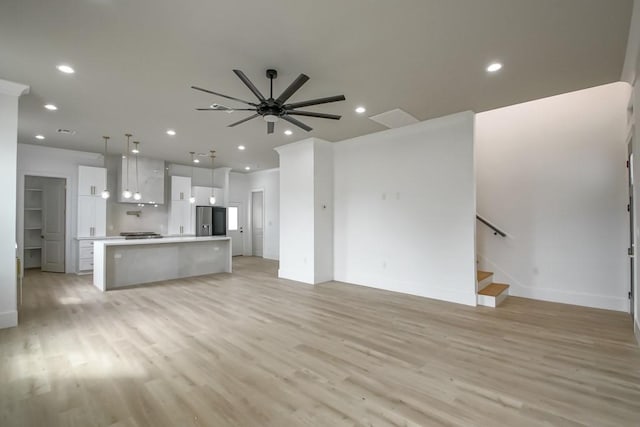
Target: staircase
x,y
490,294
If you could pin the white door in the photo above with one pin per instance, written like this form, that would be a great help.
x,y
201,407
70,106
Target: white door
x,y
235,227
257,222
53,223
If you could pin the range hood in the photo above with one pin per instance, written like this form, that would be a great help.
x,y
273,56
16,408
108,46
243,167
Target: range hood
x,y
150,180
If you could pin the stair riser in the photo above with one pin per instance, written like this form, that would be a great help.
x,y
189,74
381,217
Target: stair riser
x,y
484,283
489,301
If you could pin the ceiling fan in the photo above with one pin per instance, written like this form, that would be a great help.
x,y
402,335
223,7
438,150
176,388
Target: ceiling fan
x,y
273,109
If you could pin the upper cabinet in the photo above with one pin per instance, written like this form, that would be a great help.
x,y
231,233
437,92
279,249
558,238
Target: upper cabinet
x,y
148,181
91,180
180,188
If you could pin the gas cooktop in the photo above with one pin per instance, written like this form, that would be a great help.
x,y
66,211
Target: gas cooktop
x,y
129,235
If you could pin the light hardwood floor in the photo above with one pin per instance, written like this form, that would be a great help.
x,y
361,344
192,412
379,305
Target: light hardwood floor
x,y
251,350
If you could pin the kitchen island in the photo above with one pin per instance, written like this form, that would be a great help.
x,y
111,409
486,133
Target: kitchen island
x,y
119,263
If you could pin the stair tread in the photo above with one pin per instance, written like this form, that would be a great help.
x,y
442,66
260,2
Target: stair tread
x,y
483,275
494,289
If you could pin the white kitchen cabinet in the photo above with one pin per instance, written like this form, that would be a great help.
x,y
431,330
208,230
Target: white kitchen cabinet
x,y
202,195
149,182
91,180
180,188
85,256
92,216
180,218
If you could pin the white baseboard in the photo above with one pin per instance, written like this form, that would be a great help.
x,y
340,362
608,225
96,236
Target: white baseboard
x,y
296,276
8,319
554,295
414,288
574,298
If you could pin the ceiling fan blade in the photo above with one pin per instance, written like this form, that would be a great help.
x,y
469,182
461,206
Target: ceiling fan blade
x,y
315,102
243,120
224,96
250,85
293,87
270,127
297,123
225,109
311,114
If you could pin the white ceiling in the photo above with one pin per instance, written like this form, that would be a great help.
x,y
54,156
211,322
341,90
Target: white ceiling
x,y
135,61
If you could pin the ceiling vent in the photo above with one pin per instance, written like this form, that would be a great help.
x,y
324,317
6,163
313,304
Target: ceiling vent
x,y
221,108
67,131
394,118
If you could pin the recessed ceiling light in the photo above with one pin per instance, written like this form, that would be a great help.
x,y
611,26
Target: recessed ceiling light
x,y
496,66
241,147
39,136
196,160
288,132
247,168
50,107
360,110
65,69
171,132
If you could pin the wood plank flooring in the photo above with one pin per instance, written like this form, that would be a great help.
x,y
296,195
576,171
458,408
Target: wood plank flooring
x,y
250,350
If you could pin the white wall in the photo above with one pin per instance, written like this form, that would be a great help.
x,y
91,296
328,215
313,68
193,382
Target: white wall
x,y
404,209
269,181
323,211
9,93
551,174
296,211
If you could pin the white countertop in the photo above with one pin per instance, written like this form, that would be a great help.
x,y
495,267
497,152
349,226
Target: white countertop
x,y
122,237
164,240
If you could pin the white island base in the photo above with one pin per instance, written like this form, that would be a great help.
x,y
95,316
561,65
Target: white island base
x,y
119,263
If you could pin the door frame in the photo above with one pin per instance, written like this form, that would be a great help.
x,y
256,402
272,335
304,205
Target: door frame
x,y
68,261
633,264
250,219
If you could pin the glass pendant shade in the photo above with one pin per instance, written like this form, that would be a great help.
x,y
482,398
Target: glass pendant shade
x,y
137,196
126,194
105,194
192,199
212,200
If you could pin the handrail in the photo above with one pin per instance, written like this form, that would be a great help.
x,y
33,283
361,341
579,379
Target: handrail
x,y
495,229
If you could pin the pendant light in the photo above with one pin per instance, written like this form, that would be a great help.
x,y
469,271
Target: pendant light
x,y
136,150
105,193
192,199
126,193
212,198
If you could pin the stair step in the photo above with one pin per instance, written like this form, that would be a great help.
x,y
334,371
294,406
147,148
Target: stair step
x,y
494,289
483,275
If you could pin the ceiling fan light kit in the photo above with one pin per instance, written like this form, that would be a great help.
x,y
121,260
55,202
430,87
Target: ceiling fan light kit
x,y
272,109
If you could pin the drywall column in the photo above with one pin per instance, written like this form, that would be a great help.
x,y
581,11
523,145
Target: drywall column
x,y
9,94
306,211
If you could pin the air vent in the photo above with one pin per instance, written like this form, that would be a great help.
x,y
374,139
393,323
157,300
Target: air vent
x,y
221,107
394,118
67,131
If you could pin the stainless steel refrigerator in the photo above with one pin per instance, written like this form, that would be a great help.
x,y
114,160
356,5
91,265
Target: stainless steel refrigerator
x,y
211,221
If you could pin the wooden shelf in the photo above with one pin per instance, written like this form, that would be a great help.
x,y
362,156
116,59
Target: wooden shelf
x,y
33,228
33,189
30,248
32,209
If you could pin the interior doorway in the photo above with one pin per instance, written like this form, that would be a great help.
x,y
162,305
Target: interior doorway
x,y
44,223
257,222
